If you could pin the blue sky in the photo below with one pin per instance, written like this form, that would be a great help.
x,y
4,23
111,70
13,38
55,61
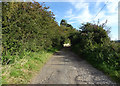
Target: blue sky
x,y
80,12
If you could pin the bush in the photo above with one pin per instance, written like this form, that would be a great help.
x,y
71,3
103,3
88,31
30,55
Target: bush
x,y
93,43
28,26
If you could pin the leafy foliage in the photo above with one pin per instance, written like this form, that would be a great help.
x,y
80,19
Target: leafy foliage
x,y
92,42
28,26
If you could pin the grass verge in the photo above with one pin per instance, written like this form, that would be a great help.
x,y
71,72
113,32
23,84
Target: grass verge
x,y
24,69
108,70
105,68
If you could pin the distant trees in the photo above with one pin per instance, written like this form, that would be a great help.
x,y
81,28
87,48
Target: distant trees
x,y
64,23
67,29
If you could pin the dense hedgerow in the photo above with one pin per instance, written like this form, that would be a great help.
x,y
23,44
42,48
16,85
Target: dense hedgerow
x,y
28,26
93,42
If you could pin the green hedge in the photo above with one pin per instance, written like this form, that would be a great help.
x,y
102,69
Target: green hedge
x,y
28,26
93,43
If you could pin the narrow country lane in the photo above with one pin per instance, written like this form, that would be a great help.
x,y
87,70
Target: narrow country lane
x,y
67,68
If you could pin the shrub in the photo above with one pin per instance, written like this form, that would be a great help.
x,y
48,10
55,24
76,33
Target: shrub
x,y
28,26
93,42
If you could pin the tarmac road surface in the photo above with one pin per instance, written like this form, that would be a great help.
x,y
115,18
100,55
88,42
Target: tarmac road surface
x,y
65,67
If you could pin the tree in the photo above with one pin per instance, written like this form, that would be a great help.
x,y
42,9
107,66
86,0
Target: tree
x,y
63,22
98,32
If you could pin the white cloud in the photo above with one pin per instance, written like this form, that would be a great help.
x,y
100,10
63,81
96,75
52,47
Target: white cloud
x,y
112,21
112,7
97,4
83,16
80,5
71,22
111,16
69,14
114,37
109,13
